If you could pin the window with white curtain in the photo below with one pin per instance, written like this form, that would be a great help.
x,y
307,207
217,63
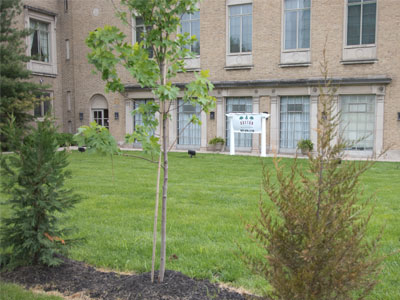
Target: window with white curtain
x,y
41,45
188,134
294,121
297,24
240,28
239,105
358,121
361,22
40,41
190,23
138,118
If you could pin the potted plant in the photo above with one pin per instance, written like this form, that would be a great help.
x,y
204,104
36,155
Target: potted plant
x,y
305,146
217,143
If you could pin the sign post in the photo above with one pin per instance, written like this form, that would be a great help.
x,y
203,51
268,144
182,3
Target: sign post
x,y
248,123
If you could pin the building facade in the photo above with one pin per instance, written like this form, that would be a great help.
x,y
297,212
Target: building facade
x,y
263,56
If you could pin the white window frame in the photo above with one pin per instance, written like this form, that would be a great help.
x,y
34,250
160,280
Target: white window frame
x,y
134,40
241,60
40,67
281,97
358,54
361,151
197,112
103,118
190,21
297,10
239,136
300,57
193,64
42,114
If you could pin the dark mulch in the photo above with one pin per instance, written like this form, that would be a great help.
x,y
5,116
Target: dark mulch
x,y
72,277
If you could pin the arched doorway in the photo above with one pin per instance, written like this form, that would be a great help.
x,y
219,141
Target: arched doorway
x,y
99,110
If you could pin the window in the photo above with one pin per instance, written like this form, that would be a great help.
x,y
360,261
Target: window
x,y
191,135
297,24
190,23
358,121
69,104
240,28
67,54
66,6
40,41
100,116
239,105
361,22
294,121
140,30
42,107
41,45
138,118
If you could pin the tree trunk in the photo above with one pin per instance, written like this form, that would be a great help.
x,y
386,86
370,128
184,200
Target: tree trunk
x,y
164,116
164,204
153,259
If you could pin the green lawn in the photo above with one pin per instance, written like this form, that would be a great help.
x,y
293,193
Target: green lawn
x,y
14,292
210,198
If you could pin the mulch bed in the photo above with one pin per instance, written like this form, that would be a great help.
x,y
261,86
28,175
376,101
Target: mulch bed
x,y
73,277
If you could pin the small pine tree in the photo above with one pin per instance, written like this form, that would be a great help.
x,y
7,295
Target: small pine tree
x,y
34,180
314,239
18,95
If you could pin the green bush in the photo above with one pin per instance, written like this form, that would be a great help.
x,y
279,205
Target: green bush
x,y
314,237
66,139
306,145
216,140
34,178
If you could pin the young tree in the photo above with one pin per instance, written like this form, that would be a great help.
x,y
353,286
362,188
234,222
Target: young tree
x,y
315,236
161,19
17,93
34,179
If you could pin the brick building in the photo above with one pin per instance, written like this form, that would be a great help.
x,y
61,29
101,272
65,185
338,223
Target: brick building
x,y
263,56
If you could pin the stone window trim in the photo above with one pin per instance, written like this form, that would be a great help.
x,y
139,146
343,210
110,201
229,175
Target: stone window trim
x,y
41,15
363,53
299,57
242,60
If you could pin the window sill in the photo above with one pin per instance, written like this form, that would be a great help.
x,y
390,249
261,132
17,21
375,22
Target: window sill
x,y
294,65
358,61
243,67
359,53
42,68
295,58
239,61
192,64
44,74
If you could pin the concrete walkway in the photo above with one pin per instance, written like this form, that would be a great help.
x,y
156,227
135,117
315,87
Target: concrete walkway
x,y
300,156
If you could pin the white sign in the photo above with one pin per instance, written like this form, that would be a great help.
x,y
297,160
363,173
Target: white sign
x,y
250,123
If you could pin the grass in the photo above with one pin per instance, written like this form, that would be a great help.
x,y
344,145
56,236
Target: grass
x,y
210,198
14,292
